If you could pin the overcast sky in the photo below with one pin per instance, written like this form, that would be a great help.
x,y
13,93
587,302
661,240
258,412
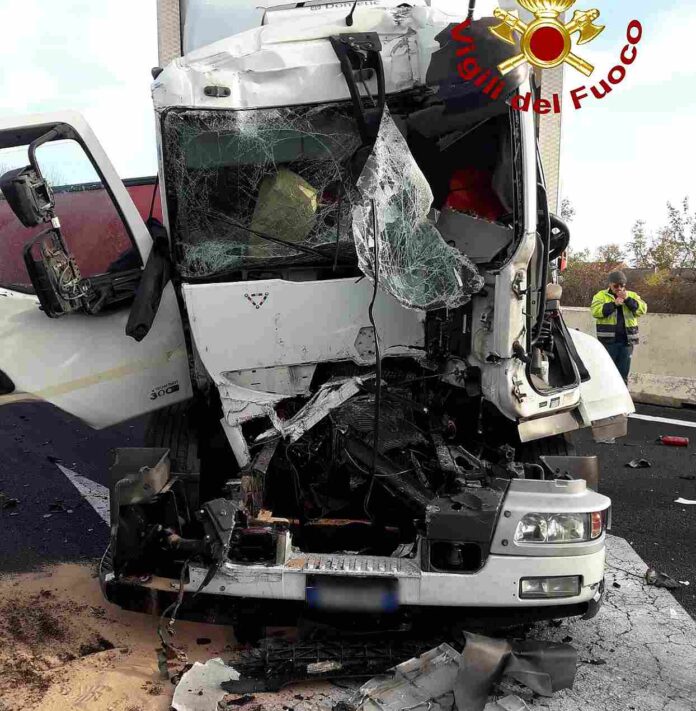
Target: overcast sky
x,y
623,157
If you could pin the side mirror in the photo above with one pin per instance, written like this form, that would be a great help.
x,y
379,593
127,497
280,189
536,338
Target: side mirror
x,y
29,196
560,237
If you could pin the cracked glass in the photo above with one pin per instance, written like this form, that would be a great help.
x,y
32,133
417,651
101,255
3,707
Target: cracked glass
x,y
414,263
239,177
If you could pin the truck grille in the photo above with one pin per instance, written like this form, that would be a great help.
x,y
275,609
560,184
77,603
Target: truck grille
x,y
355,564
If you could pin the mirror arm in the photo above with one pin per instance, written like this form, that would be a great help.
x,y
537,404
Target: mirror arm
x,y
56,133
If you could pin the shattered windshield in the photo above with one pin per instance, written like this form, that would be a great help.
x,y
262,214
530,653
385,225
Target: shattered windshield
x,y
296,186
259,187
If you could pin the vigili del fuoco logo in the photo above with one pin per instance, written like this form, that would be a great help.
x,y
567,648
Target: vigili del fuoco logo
x,y
545,42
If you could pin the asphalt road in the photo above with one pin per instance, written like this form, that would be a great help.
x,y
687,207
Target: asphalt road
x,y
39,529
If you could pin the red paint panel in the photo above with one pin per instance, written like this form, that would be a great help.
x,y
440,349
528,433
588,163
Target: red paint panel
x,y
92,228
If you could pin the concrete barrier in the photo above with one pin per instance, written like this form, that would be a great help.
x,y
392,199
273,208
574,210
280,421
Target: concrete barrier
x,y
663,371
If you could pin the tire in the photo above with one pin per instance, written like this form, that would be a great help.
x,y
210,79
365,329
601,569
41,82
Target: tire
x,y
173,428
556,446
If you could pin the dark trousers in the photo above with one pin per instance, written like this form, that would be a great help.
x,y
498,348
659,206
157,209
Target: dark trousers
x,y
621,355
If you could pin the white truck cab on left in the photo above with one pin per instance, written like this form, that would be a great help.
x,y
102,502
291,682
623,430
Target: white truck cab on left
x,y
84,364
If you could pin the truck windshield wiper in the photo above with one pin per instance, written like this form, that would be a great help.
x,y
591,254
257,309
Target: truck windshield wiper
x,y
276,240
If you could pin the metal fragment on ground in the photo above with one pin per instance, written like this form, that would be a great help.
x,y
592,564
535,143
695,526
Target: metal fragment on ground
x,y
541,666
199,688
426,681
639,464
660,580
507,703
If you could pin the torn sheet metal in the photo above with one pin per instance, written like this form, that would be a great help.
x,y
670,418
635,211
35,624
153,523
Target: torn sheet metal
x,y
199,689
444,680
426,681
542,666
240,404
327,398
278,62
414,264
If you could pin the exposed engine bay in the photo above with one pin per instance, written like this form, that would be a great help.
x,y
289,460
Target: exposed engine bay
x,y
396,466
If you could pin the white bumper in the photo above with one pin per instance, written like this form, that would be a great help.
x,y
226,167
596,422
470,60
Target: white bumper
x,y
495,585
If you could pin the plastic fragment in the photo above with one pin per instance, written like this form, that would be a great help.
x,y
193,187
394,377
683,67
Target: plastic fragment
x,y
686,502
199,688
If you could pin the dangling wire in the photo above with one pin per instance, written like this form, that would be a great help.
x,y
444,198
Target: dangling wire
x,y
378,363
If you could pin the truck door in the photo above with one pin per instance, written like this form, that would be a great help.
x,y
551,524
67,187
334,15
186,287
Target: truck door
x,y
72,248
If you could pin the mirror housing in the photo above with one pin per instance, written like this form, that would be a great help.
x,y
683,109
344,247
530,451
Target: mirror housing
x,y
29,196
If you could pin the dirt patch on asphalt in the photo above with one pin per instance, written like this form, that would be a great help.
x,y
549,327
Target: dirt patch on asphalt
x,y
62,646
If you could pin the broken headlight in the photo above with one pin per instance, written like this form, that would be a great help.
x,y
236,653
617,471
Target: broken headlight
x,y
560,528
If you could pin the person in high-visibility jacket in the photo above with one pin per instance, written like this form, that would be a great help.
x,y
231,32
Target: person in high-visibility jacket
x,y
617,311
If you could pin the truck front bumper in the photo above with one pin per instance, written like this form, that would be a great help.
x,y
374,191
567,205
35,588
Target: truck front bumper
x,y
495,587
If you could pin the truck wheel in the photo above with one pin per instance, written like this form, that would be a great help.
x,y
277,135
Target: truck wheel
x,y
173,427
558,446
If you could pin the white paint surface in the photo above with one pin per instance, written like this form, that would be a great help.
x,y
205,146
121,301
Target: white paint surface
x,y
87,366
96,495
663,420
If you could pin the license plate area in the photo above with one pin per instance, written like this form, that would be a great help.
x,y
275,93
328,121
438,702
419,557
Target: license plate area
x,y
341,592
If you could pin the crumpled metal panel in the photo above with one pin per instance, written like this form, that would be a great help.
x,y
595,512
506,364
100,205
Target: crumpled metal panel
x,y
328,397
414,264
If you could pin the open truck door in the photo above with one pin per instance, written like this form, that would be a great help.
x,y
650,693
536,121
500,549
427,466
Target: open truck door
x,y
72,250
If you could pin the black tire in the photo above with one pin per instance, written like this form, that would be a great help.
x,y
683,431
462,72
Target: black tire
x,y
173,427
560,445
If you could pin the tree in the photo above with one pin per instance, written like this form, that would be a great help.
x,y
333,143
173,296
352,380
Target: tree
x,y
611,253
672,246
579,255
567,210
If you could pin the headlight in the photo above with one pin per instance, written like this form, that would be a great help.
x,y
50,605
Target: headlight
x,y
560,528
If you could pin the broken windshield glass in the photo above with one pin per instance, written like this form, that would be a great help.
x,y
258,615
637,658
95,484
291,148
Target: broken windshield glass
x,y
237,178
414,263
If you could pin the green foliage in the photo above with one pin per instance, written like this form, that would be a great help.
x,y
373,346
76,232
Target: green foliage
x,y
610,254
672,246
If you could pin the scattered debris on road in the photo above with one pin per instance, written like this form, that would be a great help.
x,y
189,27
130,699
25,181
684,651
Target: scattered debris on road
x,y
443,680
200,688
8,502
639,464
672,441
660,580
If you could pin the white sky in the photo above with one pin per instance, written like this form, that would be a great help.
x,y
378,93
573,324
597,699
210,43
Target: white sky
x,y
623,157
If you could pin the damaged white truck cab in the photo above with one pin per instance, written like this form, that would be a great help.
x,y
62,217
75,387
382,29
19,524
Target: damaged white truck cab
x,y
350,319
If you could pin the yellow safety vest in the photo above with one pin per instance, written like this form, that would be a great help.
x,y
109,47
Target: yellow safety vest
x,y
606,325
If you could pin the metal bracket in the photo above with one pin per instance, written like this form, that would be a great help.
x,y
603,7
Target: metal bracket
x,y
516,284
357,51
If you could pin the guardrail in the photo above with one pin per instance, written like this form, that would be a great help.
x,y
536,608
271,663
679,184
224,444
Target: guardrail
x,y
663,371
